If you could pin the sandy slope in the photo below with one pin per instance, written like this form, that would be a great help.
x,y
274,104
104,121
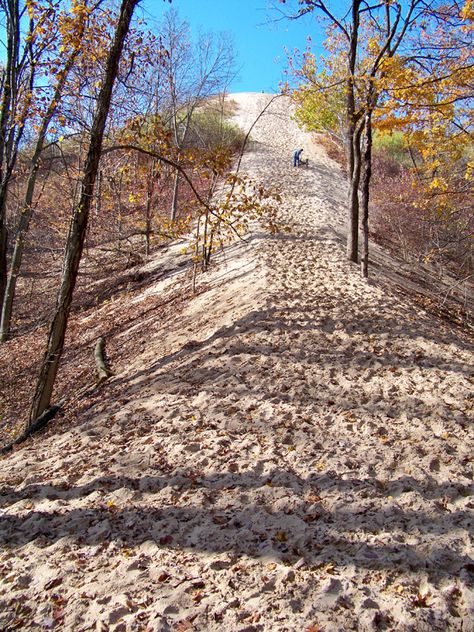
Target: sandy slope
x,y
292,448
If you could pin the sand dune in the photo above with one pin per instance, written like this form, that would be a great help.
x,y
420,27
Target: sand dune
x,y
293,448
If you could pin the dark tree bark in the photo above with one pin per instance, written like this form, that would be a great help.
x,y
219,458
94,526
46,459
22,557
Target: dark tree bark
x,y
3,255
174,201
148,209
78,226
353,145
98,192
39,424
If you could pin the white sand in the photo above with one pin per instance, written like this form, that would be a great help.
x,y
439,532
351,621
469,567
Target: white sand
x,y
293,449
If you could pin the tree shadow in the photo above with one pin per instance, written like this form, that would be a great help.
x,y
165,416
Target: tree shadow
x,y
188,479
358,534
302,319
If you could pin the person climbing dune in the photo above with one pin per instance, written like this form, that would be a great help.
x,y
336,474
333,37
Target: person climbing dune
x,y
297,157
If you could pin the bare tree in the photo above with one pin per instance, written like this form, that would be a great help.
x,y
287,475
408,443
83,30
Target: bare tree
x,y
192,74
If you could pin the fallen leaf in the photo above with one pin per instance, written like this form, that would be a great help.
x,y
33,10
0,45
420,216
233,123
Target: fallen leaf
x,y
163,576
421,600
53,583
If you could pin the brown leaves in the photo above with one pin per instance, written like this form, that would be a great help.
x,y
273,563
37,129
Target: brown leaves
x,y
198,596
421,600
53,583
163,577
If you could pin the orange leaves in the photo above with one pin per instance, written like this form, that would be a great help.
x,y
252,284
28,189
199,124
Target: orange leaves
x,y
79,8
148,132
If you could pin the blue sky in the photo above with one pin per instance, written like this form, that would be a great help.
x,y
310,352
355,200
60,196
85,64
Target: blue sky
x,y
259,35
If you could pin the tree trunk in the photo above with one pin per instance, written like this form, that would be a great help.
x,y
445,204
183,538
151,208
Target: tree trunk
x,y
180,144
353,210
366,193
18,78
3,256
206,255
98,192
149,196
353,140
10,288
118,246
353,215
79,220
148,224
174,201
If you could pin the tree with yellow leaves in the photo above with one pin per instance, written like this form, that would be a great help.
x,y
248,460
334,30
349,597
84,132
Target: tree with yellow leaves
x,y
376,52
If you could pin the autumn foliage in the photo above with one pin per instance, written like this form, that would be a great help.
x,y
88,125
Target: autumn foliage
x,y
415,88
